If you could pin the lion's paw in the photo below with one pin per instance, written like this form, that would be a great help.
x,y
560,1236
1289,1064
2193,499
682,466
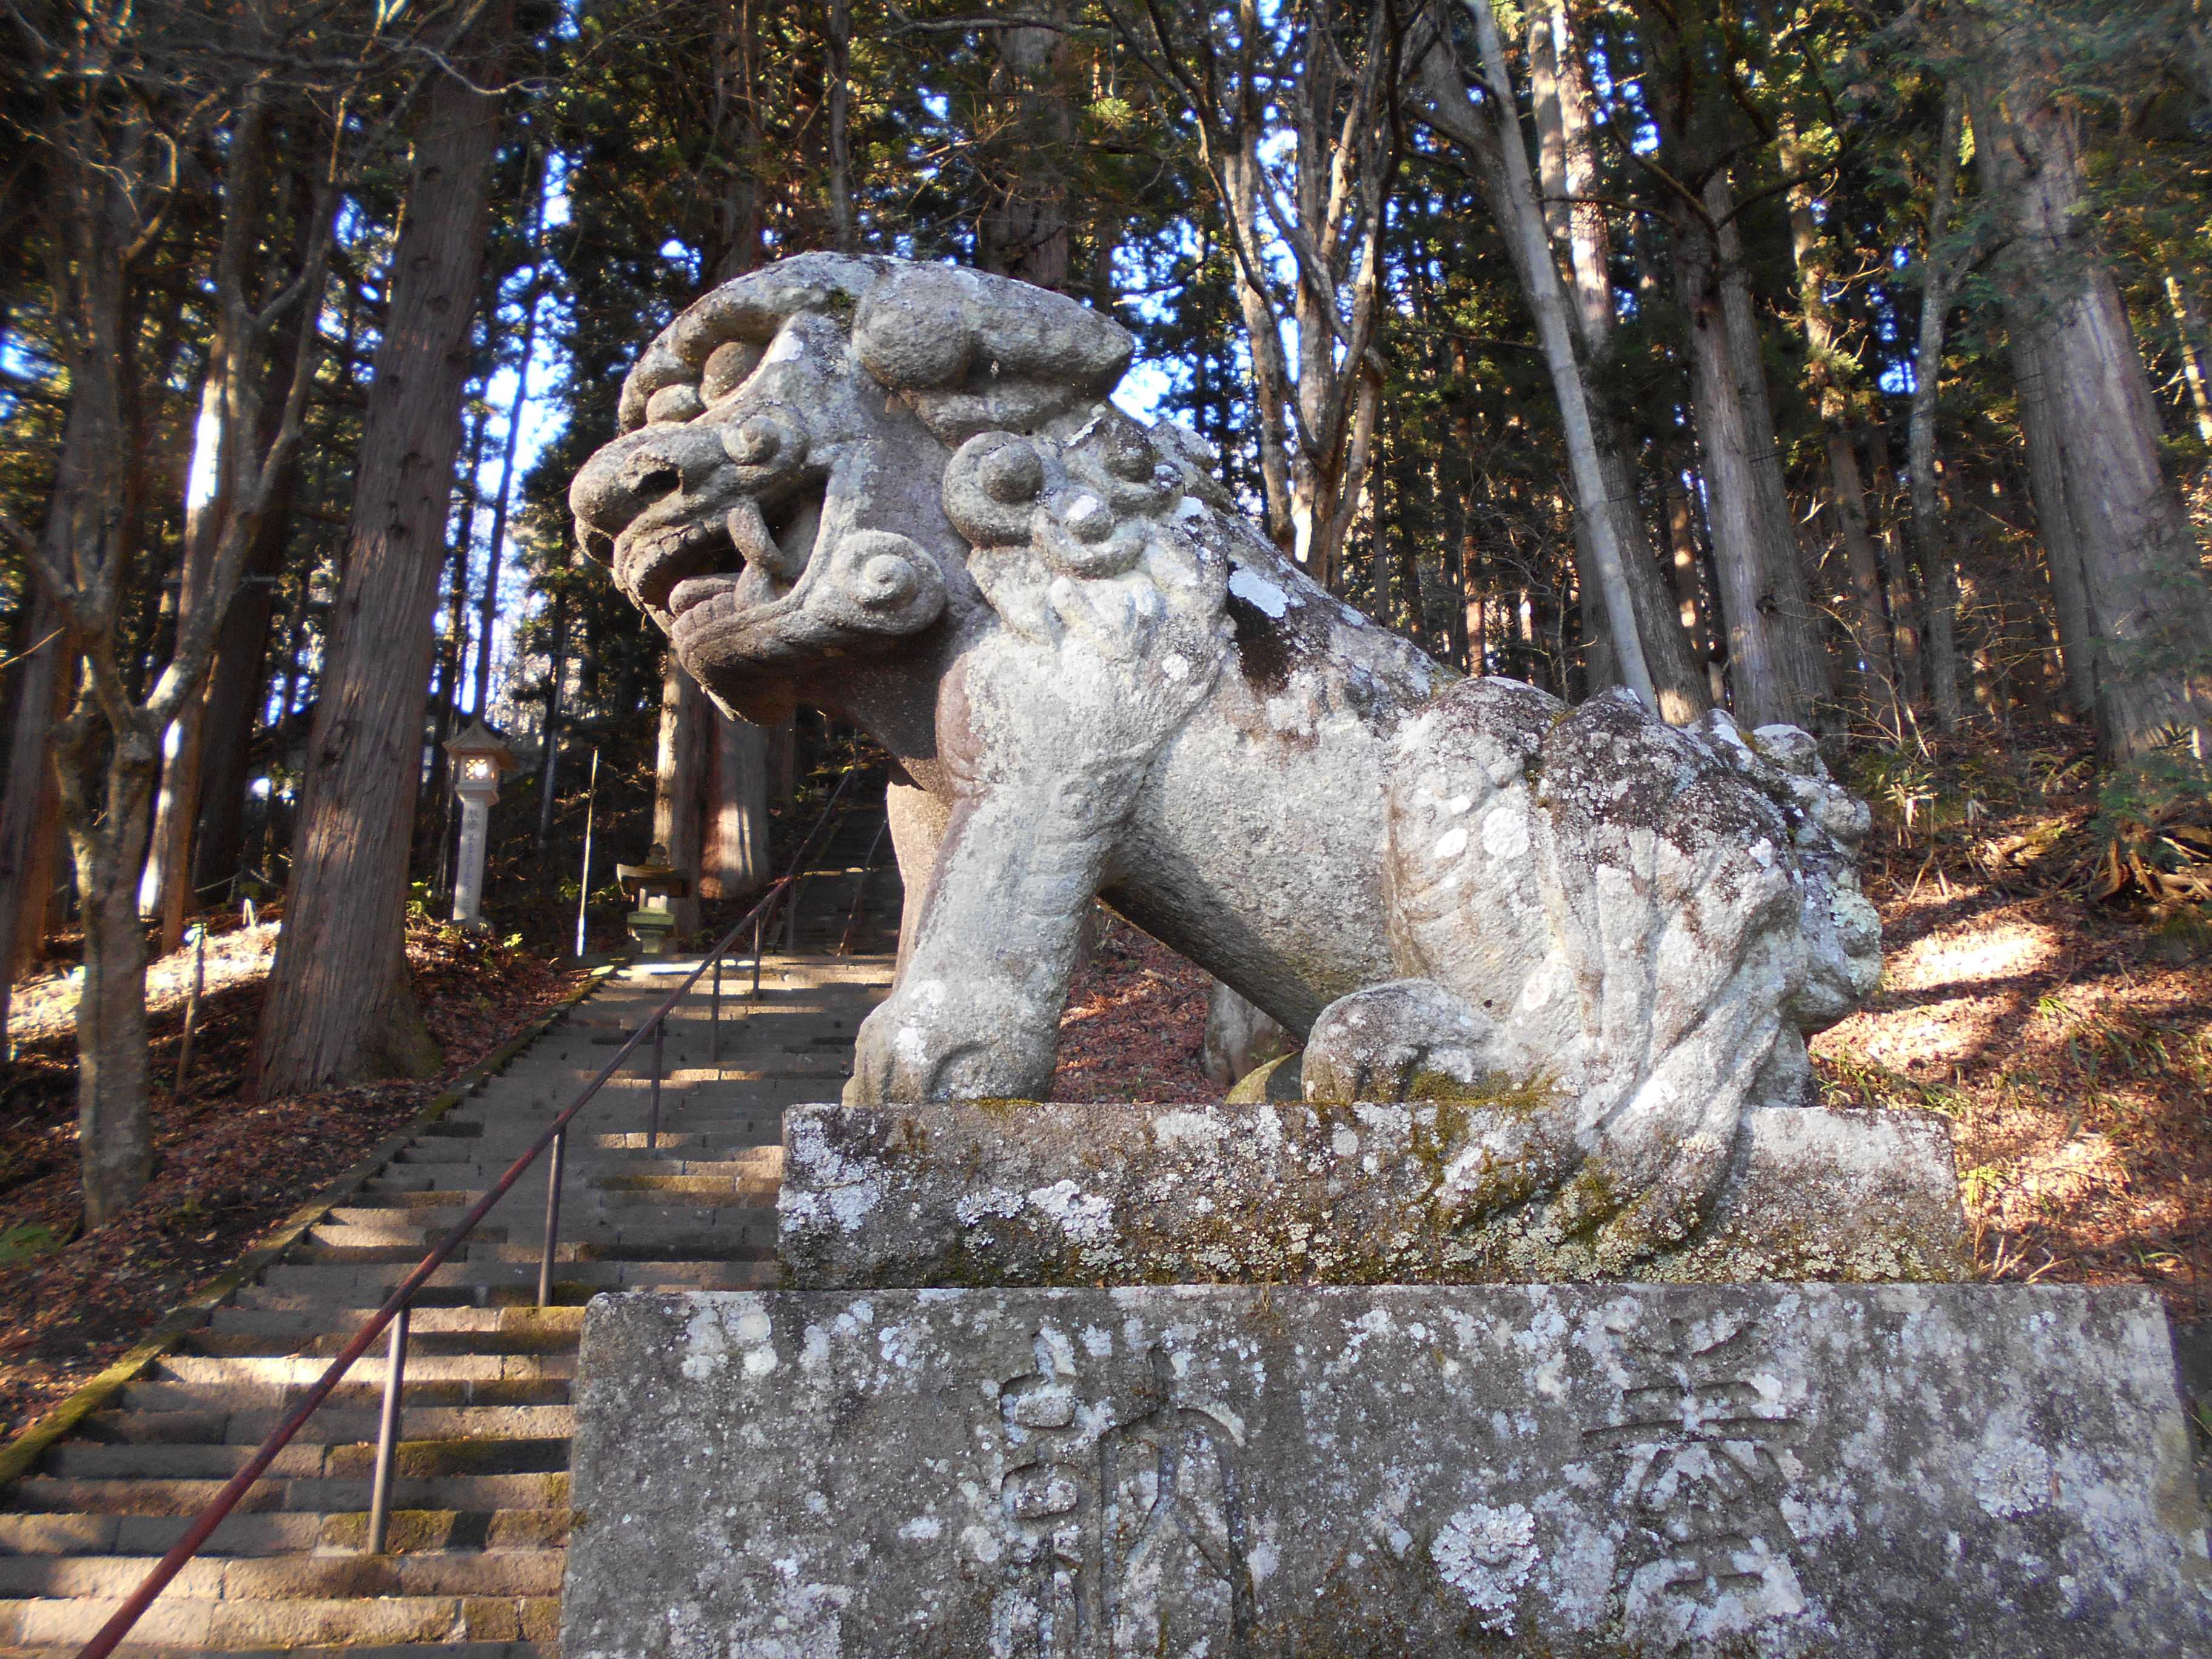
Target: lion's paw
x,y
1410,1039
931,1041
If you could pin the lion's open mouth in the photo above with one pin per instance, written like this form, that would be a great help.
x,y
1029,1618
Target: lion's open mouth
x,y
744,554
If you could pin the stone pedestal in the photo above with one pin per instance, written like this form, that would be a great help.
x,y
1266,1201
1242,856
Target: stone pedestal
x,y
1016,1193
1244,1383
1895,1471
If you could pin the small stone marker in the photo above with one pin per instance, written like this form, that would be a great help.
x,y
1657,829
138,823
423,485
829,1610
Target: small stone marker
x,y
1897,1471
1018,1192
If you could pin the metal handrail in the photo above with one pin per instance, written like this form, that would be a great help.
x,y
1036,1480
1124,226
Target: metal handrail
x,y
397,1306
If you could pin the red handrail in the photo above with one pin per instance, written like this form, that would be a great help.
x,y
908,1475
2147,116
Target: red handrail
x,y
111,1634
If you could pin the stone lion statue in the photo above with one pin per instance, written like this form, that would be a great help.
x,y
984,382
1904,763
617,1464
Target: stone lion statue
x,y
898,492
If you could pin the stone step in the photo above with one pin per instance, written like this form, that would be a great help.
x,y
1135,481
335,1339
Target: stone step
x,y
276,1396
430,1572
424,1321
257,1534
229,1625
56,1495
478,1536
221,1369
420,1341
338,1281
333,1426
417,1458
683,1216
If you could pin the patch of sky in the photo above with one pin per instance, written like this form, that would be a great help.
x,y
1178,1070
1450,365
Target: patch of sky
x,y
557,170
684,258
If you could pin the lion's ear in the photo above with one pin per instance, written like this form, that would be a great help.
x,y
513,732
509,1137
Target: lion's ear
x,y
974,353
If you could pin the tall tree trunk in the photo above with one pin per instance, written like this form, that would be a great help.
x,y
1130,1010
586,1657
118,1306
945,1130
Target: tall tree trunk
x,y
845,225
1024,232
1939,563
240,676
1828,373
1567,158
1797,622
679,783
734,862
1559,81
107,798
2189,329
488,605
433,838
1751,568
234,698
2095,463
339,1007
236,424
2057,530
557,675
1689,589
1505,162
27,820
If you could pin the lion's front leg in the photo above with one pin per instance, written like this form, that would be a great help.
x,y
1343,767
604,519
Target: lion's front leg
x,y
976,1013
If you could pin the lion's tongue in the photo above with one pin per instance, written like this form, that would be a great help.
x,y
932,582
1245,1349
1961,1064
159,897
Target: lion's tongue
x,y
749,530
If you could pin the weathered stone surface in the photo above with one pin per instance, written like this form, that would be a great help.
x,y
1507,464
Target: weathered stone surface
x,y
1016,1193
899,492
1946,1472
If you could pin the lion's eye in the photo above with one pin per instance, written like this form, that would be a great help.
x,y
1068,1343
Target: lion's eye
x,y
756,441
673,403
728,368
1130,457
1012,474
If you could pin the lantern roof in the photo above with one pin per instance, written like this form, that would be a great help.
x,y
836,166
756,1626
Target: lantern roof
x,y
481,739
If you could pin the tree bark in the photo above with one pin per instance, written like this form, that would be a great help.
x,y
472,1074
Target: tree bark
x,y
679,784
235,699
1023,231
735,863
2188,330
106,800
1797,621
1753,568
557,675
339,1007
27,815
844,223
1828,371
2095,464
1939,564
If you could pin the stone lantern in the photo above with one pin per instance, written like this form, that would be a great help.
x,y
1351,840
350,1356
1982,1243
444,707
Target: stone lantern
x,y
480,759
654,884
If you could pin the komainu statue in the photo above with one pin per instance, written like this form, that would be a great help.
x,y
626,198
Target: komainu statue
x,y
897,492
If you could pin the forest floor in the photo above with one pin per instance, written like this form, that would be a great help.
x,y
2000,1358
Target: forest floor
x,y
226,1171
2068,1038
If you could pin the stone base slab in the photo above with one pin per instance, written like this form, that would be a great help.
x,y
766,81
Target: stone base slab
x,y
1021,1193
1900,1471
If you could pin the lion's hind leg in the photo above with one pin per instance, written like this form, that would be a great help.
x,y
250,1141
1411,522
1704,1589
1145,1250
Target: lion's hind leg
x,y
1624,911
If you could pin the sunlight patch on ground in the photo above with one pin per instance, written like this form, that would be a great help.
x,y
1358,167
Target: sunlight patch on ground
x,y
44,1007
1972,953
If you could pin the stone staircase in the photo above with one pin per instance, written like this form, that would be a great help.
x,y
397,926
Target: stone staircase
x,y
480,1502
